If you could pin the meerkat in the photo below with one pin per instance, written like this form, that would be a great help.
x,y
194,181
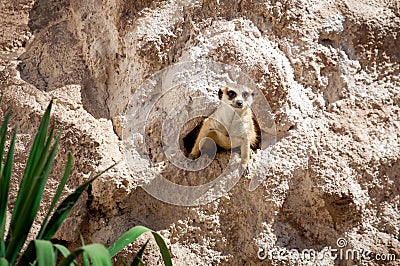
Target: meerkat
x,y
233,115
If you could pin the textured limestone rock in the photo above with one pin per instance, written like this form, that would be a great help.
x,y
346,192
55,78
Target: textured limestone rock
x,y
330,71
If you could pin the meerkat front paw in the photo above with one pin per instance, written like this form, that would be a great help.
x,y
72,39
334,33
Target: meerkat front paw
x,y
194,155
245,169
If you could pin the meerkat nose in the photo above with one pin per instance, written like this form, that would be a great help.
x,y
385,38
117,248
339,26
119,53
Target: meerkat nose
x,y
239,103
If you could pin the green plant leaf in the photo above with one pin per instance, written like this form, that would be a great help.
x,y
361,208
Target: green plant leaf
x,y
35,176
3,132
31,188
3,262
138,260
44,155
4,188
134,233
5,175
56,198
126,239
97,253
86,261
63,250
45,254
65,207
163,249
29,255
23,217
33,156
138,257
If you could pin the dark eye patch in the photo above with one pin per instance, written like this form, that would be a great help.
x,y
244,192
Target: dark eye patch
x,y
231,94
245,94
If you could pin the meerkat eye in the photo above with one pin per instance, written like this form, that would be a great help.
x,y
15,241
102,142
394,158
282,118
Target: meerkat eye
x,y
245,94
231,94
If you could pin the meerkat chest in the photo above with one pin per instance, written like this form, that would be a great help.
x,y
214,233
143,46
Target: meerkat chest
x,y
230,124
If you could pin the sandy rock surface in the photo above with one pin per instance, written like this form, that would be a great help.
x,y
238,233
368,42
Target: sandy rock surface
x,y
330,71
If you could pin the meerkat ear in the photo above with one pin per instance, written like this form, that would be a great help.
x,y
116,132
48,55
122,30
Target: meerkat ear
x,y
252,94
220,94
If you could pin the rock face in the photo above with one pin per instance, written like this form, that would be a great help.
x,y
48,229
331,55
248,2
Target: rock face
x,y
330,71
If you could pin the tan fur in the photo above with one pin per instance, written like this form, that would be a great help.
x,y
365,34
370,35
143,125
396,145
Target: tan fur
x,y
232,118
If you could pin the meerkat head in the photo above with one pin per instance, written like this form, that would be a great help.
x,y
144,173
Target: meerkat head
x,y
237,96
